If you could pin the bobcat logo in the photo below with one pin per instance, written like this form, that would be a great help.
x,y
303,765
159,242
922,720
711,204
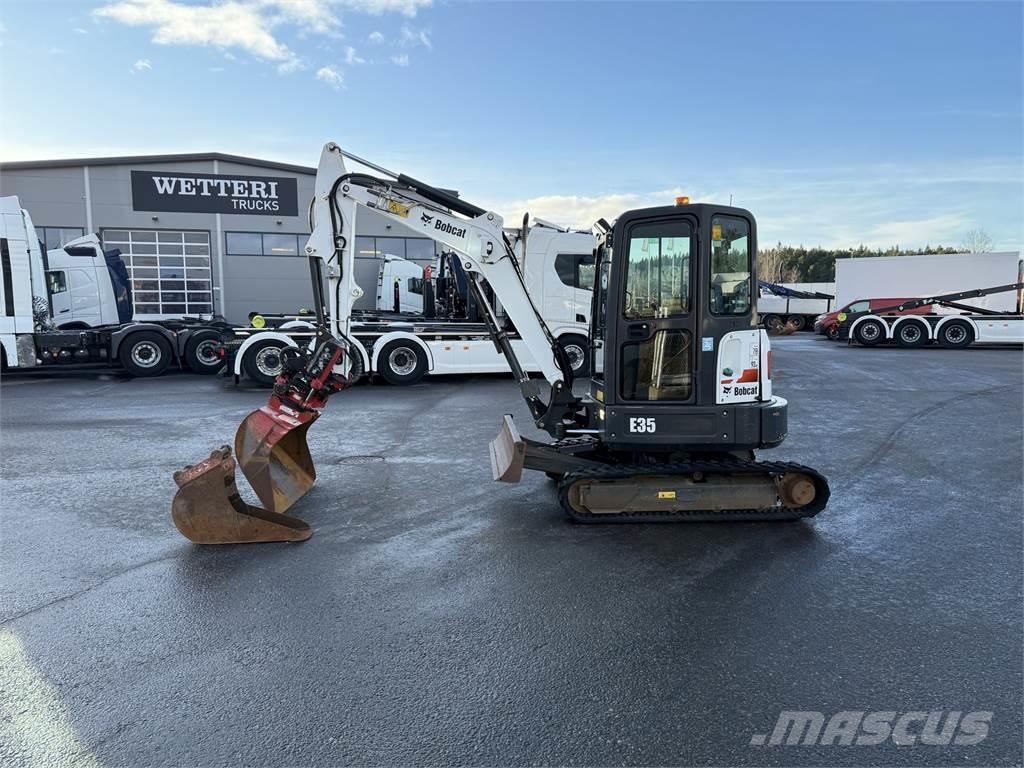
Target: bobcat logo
x,y
726,390
426,219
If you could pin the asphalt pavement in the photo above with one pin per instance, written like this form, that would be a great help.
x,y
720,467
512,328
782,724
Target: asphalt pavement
x,y
439,618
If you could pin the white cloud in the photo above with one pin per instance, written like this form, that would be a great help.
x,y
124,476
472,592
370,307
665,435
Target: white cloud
x,y
312,15
142,64
332,76
376,38
293,64
401,61
409,37
230,24
81,31
584,210
351,57
379,7
216,69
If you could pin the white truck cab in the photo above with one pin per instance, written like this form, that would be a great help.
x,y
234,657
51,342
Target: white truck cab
x,y
88,287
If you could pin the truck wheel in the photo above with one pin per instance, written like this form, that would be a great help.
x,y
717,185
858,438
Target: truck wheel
x,y
578,350
202,352
911,334
146,353
832,332
773,323
956,334
799,322
402,362
263,361
869,333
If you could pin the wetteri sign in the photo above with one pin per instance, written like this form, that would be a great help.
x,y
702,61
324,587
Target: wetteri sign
x,y
214,193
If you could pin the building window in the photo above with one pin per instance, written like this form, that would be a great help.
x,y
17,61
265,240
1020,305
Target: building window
x,y
58,237
412,248
170,271
264,244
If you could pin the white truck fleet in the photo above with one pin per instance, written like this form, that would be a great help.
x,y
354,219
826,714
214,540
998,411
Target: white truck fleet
x,y
558,268
73,306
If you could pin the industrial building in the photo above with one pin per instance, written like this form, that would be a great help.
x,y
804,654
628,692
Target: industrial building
x,y
200,233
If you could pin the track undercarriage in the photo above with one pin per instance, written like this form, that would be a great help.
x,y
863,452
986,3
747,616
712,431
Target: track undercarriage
x,y
599,485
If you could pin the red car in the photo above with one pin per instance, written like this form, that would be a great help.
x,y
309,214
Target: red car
x,y
828,324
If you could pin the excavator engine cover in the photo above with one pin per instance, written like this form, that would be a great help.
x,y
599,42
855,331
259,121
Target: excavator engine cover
x,y
208,509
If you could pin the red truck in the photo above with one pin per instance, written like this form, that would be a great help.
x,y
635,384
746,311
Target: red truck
x,y
828,324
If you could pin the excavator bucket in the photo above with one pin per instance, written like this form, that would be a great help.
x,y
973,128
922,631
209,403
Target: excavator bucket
x,y
208,509
508,453
272,451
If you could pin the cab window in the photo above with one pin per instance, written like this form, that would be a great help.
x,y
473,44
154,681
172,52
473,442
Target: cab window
x,y
730,265
57,282
576,270
858,306
657,280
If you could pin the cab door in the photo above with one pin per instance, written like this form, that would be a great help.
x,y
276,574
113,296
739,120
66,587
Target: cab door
x,y
656,322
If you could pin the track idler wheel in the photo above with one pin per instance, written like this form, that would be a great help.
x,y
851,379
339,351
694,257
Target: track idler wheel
x,y
208,509
796,490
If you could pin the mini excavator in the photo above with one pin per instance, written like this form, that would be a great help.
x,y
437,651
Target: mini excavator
x,y
679,395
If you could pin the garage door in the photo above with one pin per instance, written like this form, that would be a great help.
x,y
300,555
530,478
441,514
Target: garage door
x,y
170,270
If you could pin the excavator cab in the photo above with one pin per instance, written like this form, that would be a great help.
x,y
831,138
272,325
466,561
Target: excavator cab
x,y
679,362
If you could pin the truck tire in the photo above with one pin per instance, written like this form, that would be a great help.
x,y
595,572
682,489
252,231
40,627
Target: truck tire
x,y
202,352
870,332
832,332
956,334
773,323
911,334
263,361
799,322
402,362
578,349
145,353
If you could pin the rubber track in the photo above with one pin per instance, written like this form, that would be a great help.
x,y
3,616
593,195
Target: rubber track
x,y
706,466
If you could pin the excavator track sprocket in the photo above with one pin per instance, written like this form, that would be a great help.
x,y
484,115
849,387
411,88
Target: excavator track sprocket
x,y
702,490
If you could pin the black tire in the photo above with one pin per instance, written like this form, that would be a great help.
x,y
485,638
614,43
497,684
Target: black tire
x,y
956,334
799,322
832,332
145,354
263,361
870,332
772,323
911,334
402,362
578,349
202,352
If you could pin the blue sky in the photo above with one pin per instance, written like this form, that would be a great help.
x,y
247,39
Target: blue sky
x,y
835,123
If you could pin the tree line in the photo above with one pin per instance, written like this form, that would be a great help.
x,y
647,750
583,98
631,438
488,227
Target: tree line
x,y
796,264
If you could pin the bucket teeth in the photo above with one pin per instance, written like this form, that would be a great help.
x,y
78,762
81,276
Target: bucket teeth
x,y
272,451
208,509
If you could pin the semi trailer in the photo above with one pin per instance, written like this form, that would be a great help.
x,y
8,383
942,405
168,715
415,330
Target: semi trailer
x,y
426,321
87,289
794,304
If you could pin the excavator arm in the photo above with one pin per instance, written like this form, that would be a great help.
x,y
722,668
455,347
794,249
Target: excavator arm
x,y
474,234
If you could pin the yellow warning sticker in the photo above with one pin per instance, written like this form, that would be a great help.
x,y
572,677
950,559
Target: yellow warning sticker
x,y
258,321
398,209
841,317
666,494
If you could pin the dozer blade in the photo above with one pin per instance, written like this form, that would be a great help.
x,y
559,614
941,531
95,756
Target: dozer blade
x,y
272,451
208,509
508,453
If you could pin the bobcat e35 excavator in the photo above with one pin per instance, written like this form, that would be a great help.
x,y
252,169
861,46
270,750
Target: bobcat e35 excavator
x,y
679,397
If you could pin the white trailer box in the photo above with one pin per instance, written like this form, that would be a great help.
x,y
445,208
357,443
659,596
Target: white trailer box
x,y
929,275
